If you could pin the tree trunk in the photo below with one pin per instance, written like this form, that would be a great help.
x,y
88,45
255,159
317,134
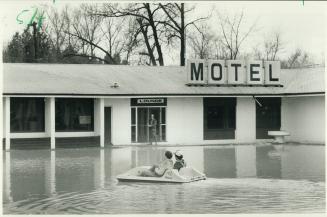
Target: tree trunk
x,y
146,40
155,35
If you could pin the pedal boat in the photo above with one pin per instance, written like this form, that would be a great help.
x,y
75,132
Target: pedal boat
x,y
184,175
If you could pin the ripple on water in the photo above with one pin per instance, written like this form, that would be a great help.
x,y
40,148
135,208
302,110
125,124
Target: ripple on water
x,y
209,196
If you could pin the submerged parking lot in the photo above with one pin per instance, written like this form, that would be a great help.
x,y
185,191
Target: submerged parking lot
x,y
255,178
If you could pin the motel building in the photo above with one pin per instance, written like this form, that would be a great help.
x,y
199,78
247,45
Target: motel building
x,y
205,102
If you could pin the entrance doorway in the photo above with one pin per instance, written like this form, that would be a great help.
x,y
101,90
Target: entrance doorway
x,y
268,116
107,125
142,122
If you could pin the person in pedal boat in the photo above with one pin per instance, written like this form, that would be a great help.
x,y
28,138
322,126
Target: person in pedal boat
x,y
179,163
160,169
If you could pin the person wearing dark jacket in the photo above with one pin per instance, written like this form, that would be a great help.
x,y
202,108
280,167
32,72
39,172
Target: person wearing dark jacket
x,y
180,162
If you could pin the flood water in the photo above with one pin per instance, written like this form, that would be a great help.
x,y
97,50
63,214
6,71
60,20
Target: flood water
x,y
261,178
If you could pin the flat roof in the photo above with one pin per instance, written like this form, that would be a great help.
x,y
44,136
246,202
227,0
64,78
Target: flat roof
x,y
98,79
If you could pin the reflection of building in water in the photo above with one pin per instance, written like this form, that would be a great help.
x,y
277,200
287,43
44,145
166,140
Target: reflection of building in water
x,y
267,166
50,174
117,161
220,162
75,169
303,162
29,171
147,156
193,156
99,171
7,179
246,161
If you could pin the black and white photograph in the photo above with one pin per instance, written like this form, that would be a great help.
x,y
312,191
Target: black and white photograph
x,y
163,107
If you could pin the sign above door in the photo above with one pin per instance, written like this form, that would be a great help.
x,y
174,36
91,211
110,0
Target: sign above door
x,y
149,102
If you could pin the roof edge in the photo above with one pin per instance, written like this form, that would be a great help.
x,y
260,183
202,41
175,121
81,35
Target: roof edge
x,y
163,94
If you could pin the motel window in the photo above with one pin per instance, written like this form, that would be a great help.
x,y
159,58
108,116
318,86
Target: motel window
x,y
74,114
26,115
219,118
133,127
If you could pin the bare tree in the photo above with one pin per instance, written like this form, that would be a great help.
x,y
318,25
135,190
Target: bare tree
x,y
56,28
232,34
86,29
298,59
177,25
202,42
146,17
273,46
293,60
131,38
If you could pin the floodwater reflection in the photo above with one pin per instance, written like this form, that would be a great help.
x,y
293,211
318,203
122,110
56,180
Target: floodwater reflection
x,y
241,179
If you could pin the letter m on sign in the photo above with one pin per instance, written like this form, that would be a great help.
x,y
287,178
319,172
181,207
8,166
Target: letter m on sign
x,y
196,73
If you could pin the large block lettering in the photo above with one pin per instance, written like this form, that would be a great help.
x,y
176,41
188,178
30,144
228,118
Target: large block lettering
x,y
254,72
235,71
216,72
196,72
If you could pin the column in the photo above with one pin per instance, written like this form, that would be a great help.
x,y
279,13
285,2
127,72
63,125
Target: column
x,y
101,122
7,122
52,123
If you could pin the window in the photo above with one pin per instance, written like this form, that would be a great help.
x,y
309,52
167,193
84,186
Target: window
x,y
219,118
26,115
74,114
133,127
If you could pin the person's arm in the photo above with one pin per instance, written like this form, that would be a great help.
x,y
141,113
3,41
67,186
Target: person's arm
x,y
161,169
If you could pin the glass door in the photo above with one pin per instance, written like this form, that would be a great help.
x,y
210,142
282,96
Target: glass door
x,y
140,128
143,124
154,135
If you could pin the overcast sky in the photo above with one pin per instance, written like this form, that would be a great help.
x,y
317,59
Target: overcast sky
x,y
301,26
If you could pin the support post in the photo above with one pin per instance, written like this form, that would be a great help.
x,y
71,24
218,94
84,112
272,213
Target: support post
x,y
7,123
101,105
52,124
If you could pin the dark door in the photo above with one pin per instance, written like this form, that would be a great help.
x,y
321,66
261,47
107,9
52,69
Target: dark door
x,y
267,116
107,125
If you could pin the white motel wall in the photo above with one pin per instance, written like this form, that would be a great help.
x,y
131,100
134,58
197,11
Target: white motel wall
x,y
303,117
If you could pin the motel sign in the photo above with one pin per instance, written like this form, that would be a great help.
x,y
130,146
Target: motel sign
x,y
234,72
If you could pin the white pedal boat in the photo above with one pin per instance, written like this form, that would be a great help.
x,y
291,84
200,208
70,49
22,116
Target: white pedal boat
x,y
184,175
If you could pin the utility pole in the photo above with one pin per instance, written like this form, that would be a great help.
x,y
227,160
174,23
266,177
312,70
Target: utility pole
x,y
34,24
35,40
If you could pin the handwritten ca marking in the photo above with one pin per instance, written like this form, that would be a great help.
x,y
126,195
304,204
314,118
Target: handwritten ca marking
x,y
27,17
